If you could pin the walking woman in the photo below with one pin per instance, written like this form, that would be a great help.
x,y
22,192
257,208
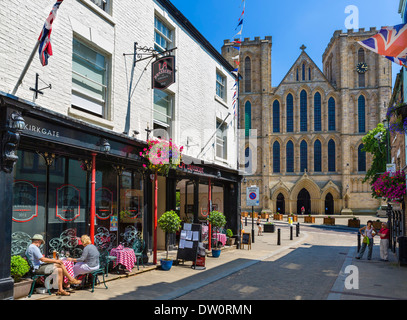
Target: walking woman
x,y
368,234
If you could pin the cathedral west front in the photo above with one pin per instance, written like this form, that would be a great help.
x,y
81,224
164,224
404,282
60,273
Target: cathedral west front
x,y
309,128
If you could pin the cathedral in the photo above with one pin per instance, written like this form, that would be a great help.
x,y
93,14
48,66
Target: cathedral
x,y
306,150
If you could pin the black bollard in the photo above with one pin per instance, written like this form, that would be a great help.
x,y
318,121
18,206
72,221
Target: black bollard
x,y
297,229
245,221
291,232
279,236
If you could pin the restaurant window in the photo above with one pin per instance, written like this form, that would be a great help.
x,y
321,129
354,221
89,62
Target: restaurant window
x,y
131,206
163,36
105,5
221,139
163,111
89,79
221,86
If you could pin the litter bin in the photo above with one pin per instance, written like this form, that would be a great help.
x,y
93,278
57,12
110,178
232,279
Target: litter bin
x,y
402,250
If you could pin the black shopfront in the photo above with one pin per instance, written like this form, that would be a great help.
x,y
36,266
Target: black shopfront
x,y
48,191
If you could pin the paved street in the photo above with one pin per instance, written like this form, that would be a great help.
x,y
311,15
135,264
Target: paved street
x,y
310,267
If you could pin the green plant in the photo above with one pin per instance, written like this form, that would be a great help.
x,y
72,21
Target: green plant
x,y
229,233
18,267
217,220
169,222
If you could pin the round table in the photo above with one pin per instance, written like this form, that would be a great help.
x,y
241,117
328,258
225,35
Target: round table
x,y
125,257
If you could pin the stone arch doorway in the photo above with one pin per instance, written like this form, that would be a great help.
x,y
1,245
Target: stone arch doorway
x,y
329,204
280,204
304,200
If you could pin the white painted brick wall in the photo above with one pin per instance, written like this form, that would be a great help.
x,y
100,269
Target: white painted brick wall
x,y
196,108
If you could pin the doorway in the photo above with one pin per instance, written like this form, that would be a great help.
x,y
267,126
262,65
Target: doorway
x,y
280,204
304,200
329,204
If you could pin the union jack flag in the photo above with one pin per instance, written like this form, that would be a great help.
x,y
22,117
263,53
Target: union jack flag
x,y
390,42
45,49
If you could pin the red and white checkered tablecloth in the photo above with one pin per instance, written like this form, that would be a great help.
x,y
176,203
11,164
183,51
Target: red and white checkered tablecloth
x,y
69,267
125,256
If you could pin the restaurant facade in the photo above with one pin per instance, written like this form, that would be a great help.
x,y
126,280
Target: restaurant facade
x,y
68,168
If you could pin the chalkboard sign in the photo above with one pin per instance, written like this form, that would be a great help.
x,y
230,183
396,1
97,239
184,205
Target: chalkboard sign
x,y
246,240
189,241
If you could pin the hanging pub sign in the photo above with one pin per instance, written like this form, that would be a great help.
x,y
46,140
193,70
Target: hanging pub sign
x,y
163,72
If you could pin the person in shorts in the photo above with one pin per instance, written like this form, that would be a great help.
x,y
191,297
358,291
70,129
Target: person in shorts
x,y
43,265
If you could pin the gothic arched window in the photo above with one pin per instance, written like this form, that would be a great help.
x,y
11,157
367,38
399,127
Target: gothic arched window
x,y
331,114
317,156
290,113
247,74
361,114
361,159
276,116
303,110
247,117
290,156
331,156
317,112
276,157
303,156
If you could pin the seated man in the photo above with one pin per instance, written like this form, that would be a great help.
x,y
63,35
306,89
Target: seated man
x,y
43,265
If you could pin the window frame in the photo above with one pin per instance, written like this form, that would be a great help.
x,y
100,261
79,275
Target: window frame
x,y
221,86
221,139
169,40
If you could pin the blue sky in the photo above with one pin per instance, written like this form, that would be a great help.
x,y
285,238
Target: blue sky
x,y
290,23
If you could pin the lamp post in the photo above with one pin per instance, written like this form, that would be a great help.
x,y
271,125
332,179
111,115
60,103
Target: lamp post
x,y
386,124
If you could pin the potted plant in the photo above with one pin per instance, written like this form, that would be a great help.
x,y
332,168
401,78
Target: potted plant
x,y
309,219
293,216
170,223
217,220
329,221
229,234
377,224
354,223
278,216
18,268
269,227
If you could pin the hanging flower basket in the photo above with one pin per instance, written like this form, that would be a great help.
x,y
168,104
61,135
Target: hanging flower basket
x,y
398,115
390,186
162,155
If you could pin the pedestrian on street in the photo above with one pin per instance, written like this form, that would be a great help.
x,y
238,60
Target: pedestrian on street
x,y
259,233
302,210
368,234
384,234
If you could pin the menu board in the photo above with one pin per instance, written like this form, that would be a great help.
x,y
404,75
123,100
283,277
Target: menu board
x,y
190,243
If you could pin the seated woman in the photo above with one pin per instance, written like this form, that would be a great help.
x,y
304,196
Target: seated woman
x,y
89,261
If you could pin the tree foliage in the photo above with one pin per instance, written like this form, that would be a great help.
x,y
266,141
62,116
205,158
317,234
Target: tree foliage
x,y
377,147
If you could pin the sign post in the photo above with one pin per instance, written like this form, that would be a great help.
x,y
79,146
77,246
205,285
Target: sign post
x,y
252,199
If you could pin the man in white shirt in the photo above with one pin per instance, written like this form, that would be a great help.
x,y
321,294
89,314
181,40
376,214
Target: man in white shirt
x,y
43,265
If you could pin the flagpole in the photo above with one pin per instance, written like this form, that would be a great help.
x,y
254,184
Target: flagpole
x,y
27,65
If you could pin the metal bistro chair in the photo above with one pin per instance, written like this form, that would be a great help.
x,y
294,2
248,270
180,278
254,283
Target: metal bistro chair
x,y
138,248
34,276
103,262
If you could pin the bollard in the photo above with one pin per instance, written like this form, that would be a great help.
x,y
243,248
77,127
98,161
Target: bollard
x,y
359,237
297,229
245,221
291,232
279,236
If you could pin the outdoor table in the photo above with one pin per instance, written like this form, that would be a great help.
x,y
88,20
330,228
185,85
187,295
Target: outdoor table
x,y
125,257
220,237
69,267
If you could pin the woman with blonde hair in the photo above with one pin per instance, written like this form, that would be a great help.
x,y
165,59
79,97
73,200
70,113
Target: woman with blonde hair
x,y
89,260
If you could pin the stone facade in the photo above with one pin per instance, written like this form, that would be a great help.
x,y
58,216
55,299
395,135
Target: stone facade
x,y
329,181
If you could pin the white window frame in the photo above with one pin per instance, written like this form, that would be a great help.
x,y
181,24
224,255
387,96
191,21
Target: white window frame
x,y
80,98
222,85
169,40
105,5
168,127
221,140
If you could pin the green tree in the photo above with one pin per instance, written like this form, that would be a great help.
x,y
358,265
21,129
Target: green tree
x,y
377,147
169,222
